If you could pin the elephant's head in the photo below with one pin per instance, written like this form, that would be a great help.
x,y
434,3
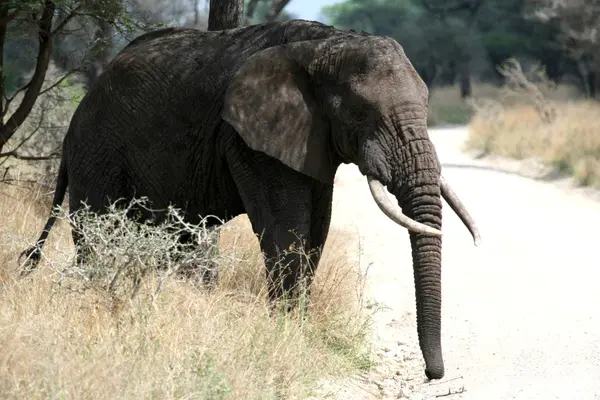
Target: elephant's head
x,y
316,103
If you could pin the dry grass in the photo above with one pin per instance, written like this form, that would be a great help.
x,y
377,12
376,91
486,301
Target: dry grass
x,y
519,126
187,343
571,143
446,107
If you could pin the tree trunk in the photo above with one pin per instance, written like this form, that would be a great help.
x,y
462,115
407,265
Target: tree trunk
x,y
593,82
196,13
225,14
3,29
428,74
464,75
36,82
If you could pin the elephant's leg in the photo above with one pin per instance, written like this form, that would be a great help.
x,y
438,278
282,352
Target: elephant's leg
x,y
82,248
305,266
278,201
320,218
96,191
280,218
82,251
285,248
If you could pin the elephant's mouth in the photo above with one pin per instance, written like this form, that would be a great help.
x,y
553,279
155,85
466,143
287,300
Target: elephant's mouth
x,y
394,212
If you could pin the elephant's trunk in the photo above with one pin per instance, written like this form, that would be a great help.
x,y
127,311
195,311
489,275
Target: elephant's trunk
x,y
423,204
415,180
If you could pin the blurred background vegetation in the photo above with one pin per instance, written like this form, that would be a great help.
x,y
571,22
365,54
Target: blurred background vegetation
x,y
461,43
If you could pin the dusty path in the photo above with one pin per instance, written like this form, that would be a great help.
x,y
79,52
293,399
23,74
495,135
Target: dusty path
x,y
521,313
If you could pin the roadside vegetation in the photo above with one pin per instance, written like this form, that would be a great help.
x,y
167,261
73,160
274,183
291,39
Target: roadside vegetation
x,y
531,117
447,108
127,325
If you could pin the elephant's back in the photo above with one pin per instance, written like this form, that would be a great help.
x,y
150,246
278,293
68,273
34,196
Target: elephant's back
x,y
148,112
171,55
153,85
167,83
184,54
175,70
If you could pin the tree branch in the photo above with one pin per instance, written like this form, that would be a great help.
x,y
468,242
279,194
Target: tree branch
x,y
3,16
277,7
37,80
59,81
26,139
13,153
11,98
66,20
250,8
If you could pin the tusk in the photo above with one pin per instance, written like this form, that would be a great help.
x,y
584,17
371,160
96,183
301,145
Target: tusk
x,y
460,210
394,212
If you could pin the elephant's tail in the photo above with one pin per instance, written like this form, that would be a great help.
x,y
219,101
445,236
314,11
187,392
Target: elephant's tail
x,y
34,254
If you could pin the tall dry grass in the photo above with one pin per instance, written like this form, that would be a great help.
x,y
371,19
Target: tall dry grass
x,y
571,143
536,119
187,343
446,107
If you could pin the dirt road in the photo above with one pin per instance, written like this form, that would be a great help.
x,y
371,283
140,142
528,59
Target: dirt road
x,y
521,313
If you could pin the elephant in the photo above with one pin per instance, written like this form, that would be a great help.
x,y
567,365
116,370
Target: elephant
x,y
257,120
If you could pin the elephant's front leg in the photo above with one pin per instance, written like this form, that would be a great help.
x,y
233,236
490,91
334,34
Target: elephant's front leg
x,y
285,248
292,271
279,203
320,219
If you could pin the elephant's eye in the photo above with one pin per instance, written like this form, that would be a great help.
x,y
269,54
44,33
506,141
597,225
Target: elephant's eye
x,y
358,113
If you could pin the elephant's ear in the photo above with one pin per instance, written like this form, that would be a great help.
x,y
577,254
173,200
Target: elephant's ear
x,y
271,105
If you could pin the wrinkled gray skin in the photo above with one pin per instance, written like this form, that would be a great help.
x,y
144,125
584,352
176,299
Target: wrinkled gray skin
x,y
256,120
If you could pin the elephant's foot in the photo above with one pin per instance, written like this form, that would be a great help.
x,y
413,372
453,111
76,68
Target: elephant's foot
x,y
291,295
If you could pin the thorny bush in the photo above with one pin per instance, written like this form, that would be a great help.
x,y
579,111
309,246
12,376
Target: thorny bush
x,y
116,251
